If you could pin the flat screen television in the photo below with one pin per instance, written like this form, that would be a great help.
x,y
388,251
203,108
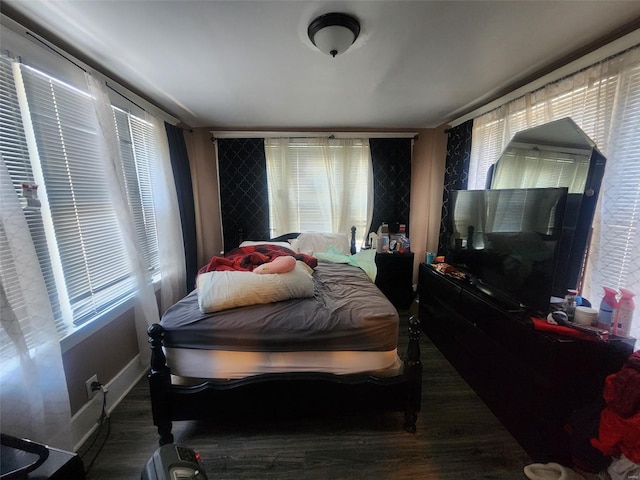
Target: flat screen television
x,y
507,242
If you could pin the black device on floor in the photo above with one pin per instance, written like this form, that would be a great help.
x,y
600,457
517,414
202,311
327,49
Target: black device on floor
x,y
22,459
174,462
20,456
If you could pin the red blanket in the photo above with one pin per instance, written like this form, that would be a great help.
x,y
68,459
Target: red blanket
x,y
245,259
619,430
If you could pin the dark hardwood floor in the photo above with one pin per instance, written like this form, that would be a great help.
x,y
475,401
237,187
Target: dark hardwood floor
x,y
458,438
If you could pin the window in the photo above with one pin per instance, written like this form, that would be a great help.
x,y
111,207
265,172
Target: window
x,y
76,231
138,150
604,100
319,184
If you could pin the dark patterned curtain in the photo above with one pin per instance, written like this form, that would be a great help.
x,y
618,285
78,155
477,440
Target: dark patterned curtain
x,y
391,159
244,198
456,173
184,190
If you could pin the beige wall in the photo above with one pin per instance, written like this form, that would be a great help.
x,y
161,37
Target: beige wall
x,y
104,353
427,175
204,177
427,179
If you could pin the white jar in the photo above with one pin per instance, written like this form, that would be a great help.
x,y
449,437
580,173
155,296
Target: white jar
x,y
585,316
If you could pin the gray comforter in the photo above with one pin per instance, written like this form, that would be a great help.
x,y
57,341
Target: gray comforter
x,y
347,312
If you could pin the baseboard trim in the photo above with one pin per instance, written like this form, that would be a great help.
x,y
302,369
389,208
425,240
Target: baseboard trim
x,y
85,421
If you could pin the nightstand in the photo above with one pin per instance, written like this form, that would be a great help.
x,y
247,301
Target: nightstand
x,y
395,277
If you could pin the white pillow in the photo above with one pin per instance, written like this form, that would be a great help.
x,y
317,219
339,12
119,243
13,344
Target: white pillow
x,y
249,243
220,290
311,242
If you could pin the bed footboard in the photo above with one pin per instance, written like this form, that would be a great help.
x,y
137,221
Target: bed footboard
x,y
413,374
159,385
175,402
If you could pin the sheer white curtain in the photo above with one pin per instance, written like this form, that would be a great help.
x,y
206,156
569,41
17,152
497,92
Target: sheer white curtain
x,y
604,100
319,184
34,402
170,240
146,305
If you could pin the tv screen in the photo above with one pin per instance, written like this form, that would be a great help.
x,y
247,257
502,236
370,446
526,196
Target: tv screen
x,y
507,241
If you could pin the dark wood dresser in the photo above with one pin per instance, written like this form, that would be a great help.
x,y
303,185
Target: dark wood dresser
x,y
532,381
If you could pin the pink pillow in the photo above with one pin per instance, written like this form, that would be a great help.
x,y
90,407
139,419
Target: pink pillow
x,y
282,264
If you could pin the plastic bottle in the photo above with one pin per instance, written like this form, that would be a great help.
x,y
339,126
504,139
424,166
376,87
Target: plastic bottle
x,y
384,232
403,240
570,303
624,316
608,309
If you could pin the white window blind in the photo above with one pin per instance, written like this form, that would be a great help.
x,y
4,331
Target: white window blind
x,y
604,100
15,153
319,184
48,136
138,150
85,227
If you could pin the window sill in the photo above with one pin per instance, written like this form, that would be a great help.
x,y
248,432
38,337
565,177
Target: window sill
x,y
80,333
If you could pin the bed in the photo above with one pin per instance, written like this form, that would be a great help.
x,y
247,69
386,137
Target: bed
x,y
330,339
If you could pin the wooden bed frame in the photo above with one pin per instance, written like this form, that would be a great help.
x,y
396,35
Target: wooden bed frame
x,y
309,391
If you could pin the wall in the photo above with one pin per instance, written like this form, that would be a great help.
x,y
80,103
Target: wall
x,y
105,353
108,348
427,177
204,176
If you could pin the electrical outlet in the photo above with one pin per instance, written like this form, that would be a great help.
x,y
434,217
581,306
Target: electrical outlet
x,y
91,392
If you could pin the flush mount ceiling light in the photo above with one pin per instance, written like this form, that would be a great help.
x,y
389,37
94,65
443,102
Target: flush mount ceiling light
x,y
333,33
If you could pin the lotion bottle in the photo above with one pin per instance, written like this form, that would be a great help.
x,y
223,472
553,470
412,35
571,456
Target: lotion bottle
x,y
608,309
384,233
624,315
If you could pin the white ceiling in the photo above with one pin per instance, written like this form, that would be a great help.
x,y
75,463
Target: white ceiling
x,y
249,64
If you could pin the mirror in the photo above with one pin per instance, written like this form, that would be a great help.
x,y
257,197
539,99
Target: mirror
x,y
557,154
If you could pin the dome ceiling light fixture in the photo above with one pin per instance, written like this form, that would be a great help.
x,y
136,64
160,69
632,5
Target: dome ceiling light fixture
x,y
333,33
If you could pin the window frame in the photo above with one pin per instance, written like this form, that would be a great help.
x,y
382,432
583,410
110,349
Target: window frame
x,y
68,328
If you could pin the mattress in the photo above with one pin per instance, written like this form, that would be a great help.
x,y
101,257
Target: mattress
x,y
222,364
347,313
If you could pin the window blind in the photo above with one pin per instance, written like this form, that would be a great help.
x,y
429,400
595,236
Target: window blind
x,y
15,153
137,149
620,213
85,226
